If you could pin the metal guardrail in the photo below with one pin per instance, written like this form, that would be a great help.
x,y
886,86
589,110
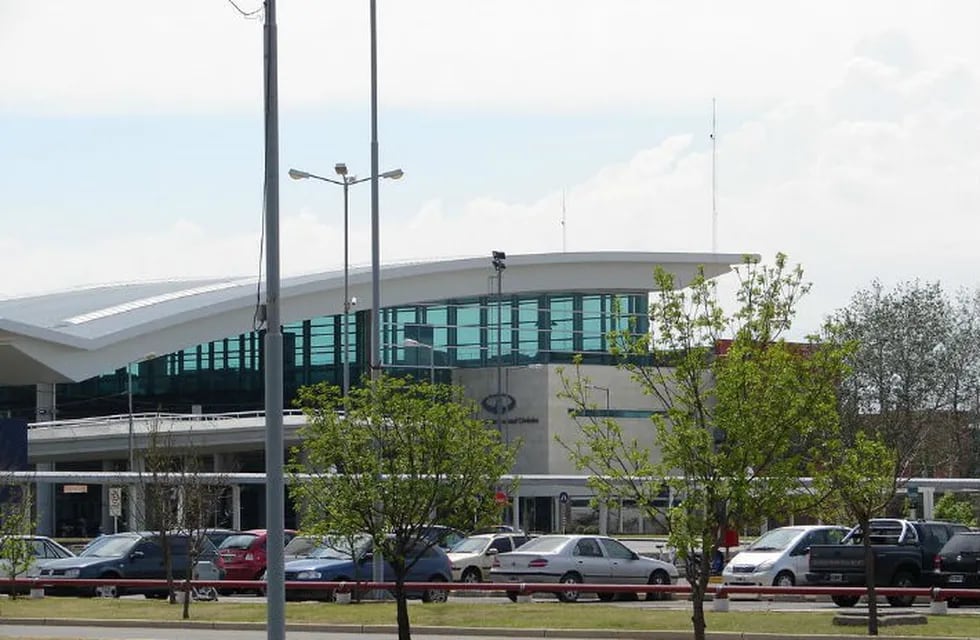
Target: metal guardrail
x,y
157,415
934,594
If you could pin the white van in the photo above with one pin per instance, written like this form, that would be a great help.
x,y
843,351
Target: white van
x,y
779,557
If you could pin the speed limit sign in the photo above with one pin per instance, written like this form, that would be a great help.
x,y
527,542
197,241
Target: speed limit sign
x,y
115,501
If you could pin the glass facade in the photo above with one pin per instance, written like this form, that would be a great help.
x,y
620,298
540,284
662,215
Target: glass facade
x,y
227,375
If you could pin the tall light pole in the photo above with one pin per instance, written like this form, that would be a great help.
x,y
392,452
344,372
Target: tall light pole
x,y
411,342
375,350
345,181
497,261
275,499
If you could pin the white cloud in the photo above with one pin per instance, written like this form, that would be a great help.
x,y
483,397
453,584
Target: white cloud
x,y
119,56
870,172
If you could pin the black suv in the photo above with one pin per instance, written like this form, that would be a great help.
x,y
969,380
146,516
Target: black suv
x,y
123,555
957,565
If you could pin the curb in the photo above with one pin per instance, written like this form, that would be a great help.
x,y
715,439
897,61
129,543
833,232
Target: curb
x,y
593,634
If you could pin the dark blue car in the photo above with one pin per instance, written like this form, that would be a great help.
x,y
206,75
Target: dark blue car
x,y
335,562
123,555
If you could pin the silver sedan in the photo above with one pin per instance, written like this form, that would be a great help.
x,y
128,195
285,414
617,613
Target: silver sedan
x,y
577,559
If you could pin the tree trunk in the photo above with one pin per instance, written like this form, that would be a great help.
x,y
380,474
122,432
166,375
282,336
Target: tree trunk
x,y
869,579
699,587
401,604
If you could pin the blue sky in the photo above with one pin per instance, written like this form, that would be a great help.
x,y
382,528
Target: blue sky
x,y
848,135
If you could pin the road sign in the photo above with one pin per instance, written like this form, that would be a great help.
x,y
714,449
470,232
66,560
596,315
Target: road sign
x,y
563,497
500,497
115,501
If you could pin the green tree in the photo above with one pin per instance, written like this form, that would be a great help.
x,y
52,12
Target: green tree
x,y
16,524
734,430
953,509
395,458
915,374
858,471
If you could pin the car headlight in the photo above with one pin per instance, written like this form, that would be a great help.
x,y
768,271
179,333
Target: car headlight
x,y
765,566
309,575
72,573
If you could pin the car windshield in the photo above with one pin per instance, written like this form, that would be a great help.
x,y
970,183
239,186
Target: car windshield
x,y
470,545
775,540
340,549
109,547
544,544
241,541
300,546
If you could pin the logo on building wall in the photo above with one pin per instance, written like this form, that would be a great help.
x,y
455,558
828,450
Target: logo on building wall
x,y
499,403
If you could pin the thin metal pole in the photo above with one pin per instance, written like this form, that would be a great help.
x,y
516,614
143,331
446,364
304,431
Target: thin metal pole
x,y
275,499
129,398
500,388
375,242
432,364
377,566
346,291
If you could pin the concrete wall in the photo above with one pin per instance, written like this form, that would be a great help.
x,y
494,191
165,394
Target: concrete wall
x,y
538,416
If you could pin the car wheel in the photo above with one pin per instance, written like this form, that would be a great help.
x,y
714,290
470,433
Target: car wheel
x,y
784,579
658,577
902,579
845,601
471,575
569,596
435,595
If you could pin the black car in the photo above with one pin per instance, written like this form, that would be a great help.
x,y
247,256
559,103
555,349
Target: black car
x,y
122,555
957,565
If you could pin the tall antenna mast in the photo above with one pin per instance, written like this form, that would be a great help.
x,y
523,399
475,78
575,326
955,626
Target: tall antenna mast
x,y
714,203
563,221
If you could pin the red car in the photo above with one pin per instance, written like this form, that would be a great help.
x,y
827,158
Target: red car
x,y
243,555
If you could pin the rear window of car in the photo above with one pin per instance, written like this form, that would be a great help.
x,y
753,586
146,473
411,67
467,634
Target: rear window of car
x,y
545,543
241,541
963,542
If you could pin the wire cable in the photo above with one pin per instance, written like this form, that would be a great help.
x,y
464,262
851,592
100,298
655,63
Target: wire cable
x,y
249,15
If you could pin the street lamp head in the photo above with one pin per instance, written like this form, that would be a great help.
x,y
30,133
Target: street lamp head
x,y
340,168
394,174
498,260
296,174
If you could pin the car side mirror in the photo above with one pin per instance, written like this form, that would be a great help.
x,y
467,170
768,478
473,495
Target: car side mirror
x,y
367,557
492,552
136,555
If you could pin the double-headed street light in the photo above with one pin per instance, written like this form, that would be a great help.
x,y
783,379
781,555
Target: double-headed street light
x,y
345,181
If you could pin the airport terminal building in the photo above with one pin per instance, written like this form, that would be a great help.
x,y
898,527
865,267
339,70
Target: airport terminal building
x,y
94,370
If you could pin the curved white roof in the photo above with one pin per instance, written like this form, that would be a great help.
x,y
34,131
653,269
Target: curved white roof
x,y
74,335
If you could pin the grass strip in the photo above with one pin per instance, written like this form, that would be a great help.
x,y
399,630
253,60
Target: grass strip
x,y
543,615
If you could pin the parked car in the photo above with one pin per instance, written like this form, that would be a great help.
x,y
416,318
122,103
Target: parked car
x,y
574,559
472,557
136,555
957,565
335,561
445,537
243,555
903,555
779,557
42,548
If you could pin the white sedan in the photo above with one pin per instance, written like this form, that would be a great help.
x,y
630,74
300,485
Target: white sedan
x,y
577,559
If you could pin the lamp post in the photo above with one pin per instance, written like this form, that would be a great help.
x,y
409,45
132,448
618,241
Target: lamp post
x,y
411,342
497,261
345,181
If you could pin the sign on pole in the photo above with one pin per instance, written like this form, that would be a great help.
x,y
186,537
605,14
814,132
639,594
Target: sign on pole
x,y
115,501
